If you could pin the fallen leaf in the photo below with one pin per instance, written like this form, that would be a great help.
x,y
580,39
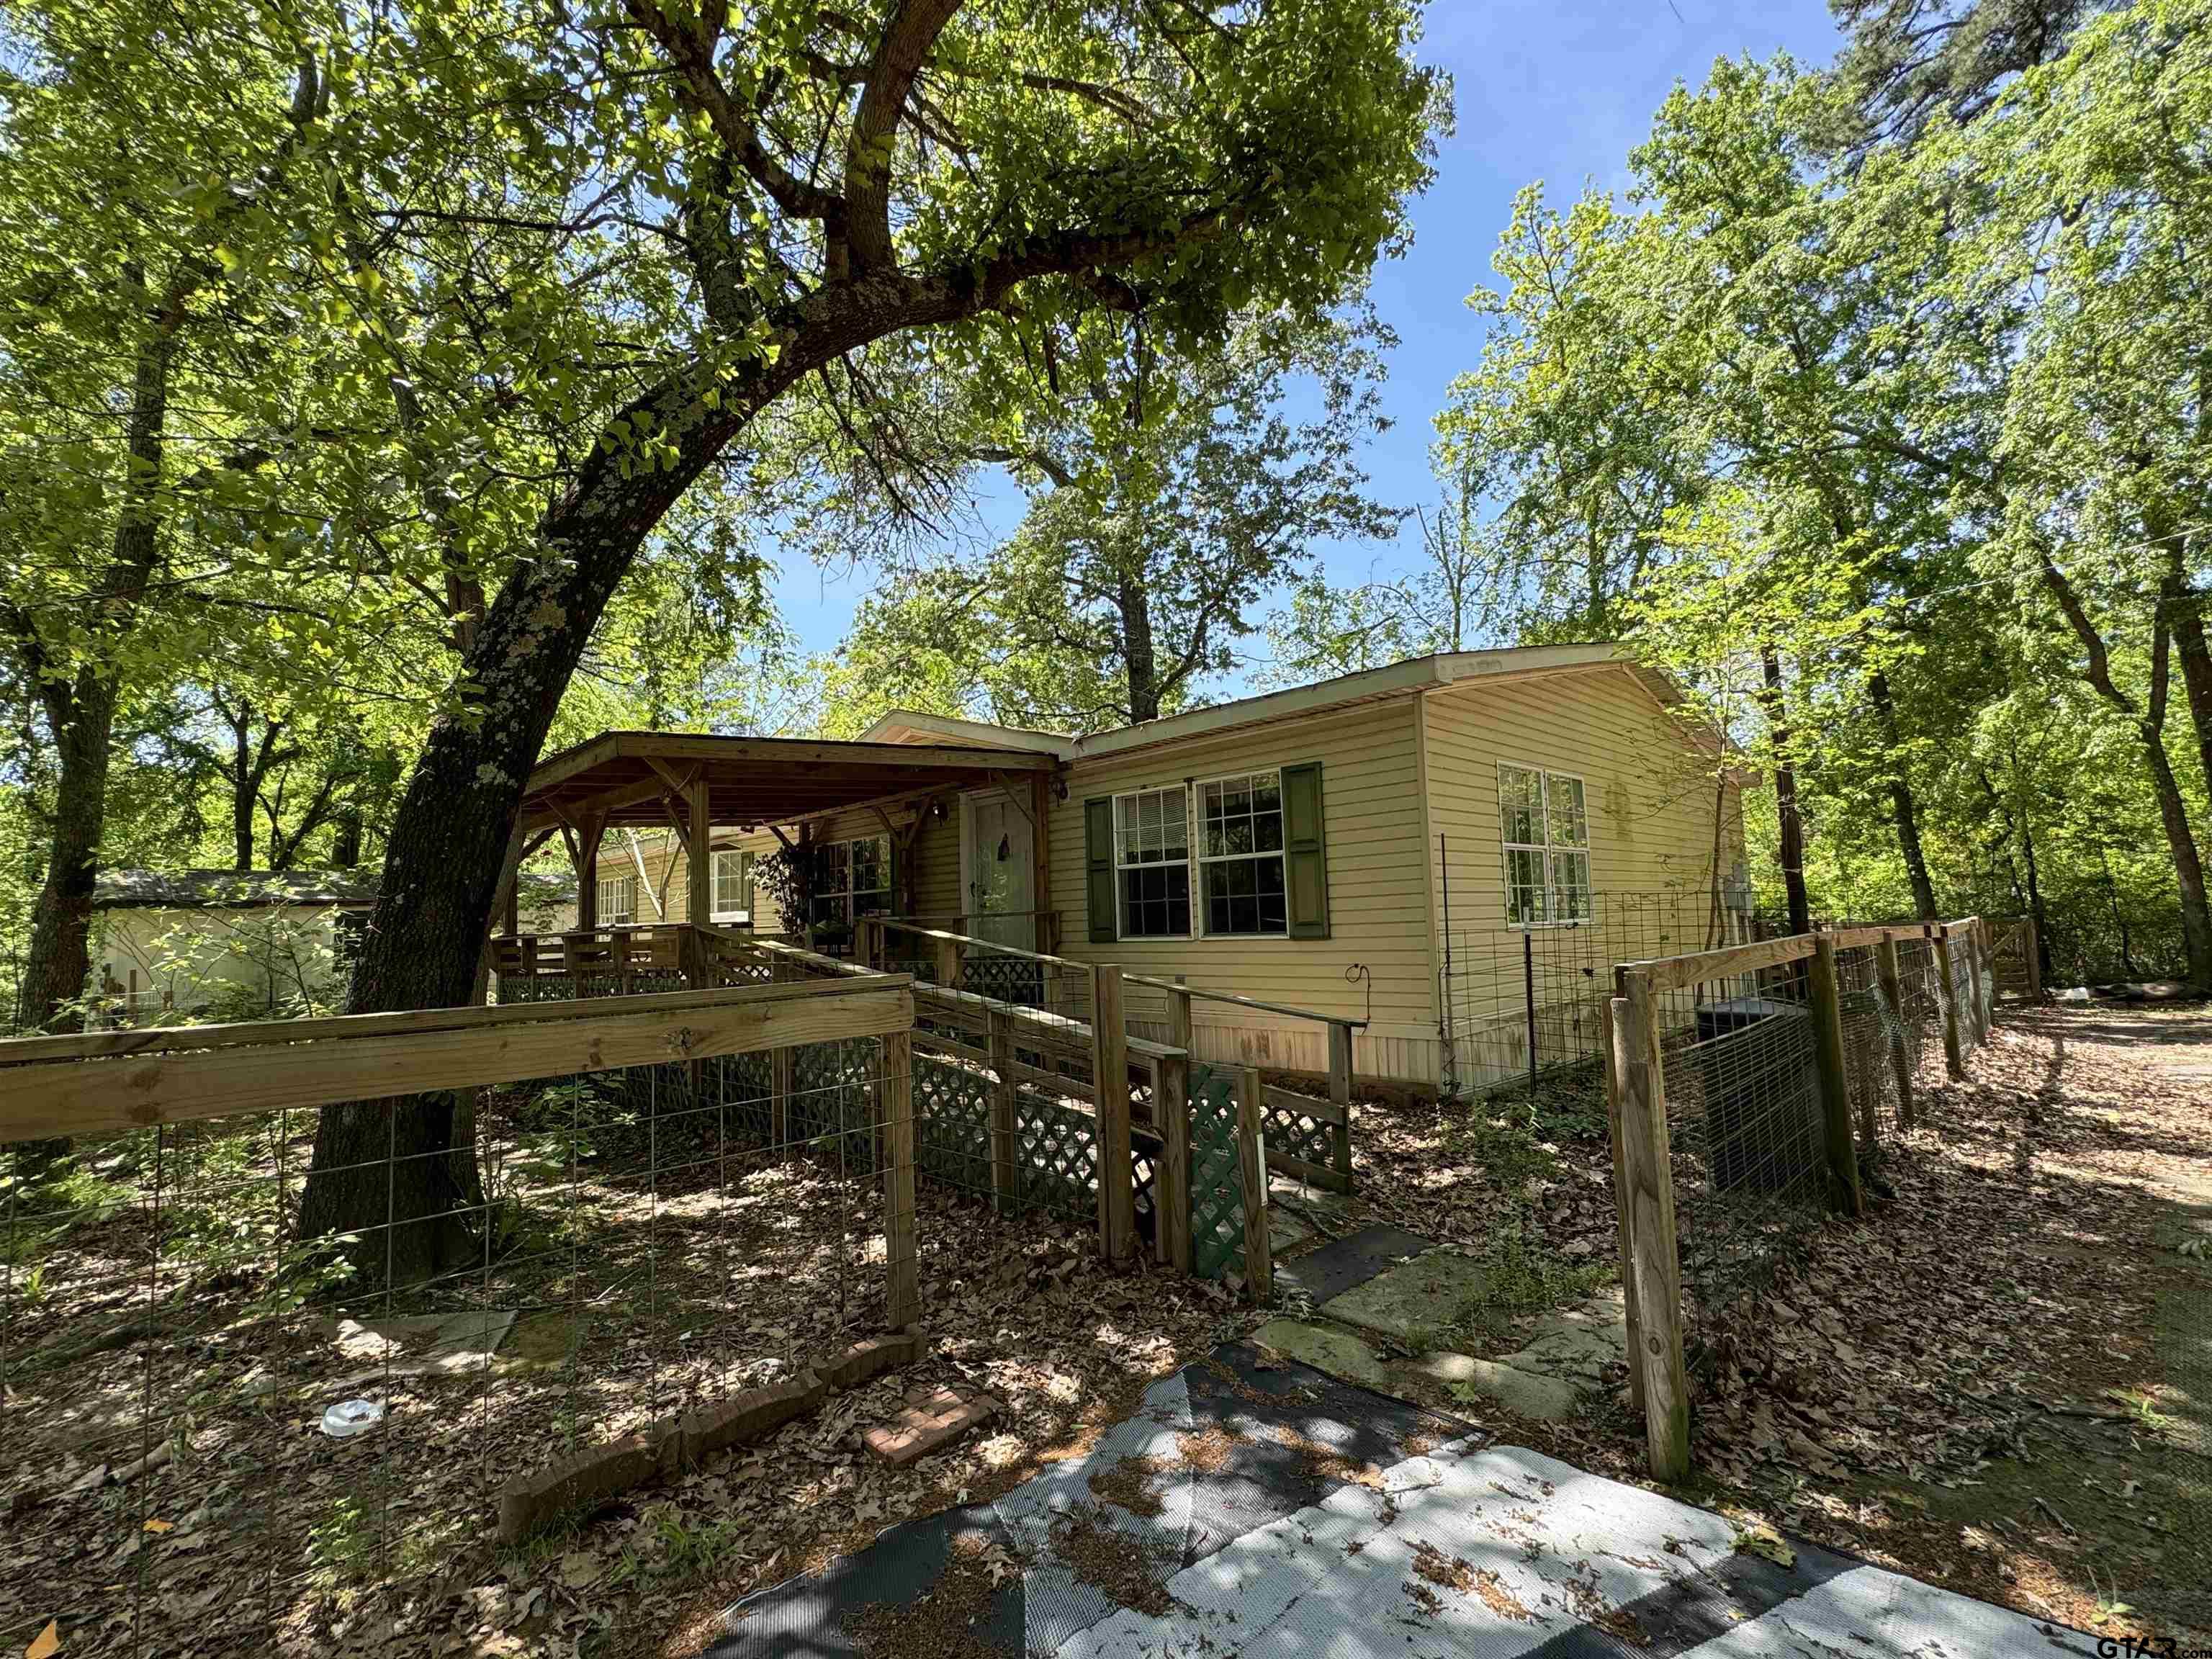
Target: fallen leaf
x,y
1764,1541
161,1526
46,1643
580,1569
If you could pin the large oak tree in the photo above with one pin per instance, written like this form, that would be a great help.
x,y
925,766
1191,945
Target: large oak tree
x,y
777,193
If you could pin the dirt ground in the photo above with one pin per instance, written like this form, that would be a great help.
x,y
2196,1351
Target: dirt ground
x,y
1997,1380
167,1475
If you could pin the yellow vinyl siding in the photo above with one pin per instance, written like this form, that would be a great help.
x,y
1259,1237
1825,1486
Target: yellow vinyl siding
x,y
1377,903
1649,796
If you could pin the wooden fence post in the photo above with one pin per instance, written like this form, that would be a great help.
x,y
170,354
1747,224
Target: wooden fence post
x,y
1985,980
902,1287
1827,1007
2031,942
1616,1066
1339,1091
1110,1082
1658,1259
1252,1171
1004,1127
950,953
1892,993
1954,1059
1171,1192
1171,1116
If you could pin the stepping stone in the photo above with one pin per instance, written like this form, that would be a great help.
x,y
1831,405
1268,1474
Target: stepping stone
x,y
1285,1233
1414,1303
932,1417
1325,1349
1525,1394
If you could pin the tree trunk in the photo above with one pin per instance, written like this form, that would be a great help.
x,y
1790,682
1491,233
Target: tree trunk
x,y
60,962
381,1175
1138,653
83,715
2187,610
1785,794
242,785
2035,902
1901,804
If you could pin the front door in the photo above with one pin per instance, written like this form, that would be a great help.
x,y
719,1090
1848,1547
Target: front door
x,y
998,851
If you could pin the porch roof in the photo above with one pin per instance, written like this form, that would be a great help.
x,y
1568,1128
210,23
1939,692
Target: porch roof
x,y
627,778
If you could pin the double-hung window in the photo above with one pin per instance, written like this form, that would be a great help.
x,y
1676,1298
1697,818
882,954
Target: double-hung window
x,y
1240,854
733,887
1544,824
1152,863
617,901
852,879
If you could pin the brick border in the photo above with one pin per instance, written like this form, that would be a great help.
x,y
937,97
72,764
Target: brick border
x,y
586,1481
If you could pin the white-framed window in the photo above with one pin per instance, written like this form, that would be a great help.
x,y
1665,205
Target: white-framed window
x,y
1544,824
852,878
1152,863
733,887
617,901
1240,855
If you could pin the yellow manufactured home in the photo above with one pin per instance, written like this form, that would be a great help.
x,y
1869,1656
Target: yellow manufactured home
x,y
1410,847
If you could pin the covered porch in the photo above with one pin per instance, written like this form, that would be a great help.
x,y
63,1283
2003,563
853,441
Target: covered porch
x,y
711,794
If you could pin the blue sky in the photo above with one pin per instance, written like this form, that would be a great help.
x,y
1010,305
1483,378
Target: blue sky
x,y
1558,90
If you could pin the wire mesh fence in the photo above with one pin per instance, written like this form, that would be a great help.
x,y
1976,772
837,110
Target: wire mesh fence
x,y
231,1427
1755,1090
1521,1003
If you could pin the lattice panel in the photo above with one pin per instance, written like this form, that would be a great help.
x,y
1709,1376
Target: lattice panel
x,y
1217,1190
952,1122
1057,1156
1006,979
1296,1135
830,1092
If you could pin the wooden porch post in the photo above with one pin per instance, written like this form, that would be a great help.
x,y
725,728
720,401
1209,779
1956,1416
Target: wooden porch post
x,y
699,838
588,830
1004,1103
1041,793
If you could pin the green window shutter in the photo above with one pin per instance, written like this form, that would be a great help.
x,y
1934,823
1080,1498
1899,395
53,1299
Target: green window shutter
x,y
1305,852
1098,867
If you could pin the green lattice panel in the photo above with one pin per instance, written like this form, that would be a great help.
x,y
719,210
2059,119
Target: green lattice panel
x,y
1296,1135
829,1093
1217,1187
1057,1156
952,1122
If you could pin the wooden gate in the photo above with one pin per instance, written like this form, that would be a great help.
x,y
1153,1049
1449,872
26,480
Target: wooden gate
x,y
2014,960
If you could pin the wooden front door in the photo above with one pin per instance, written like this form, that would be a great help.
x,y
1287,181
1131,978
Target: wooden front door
x,y
998,858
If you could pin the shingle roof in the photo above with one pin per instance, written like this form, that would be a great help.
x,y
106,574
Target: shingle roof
x,y
231,890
